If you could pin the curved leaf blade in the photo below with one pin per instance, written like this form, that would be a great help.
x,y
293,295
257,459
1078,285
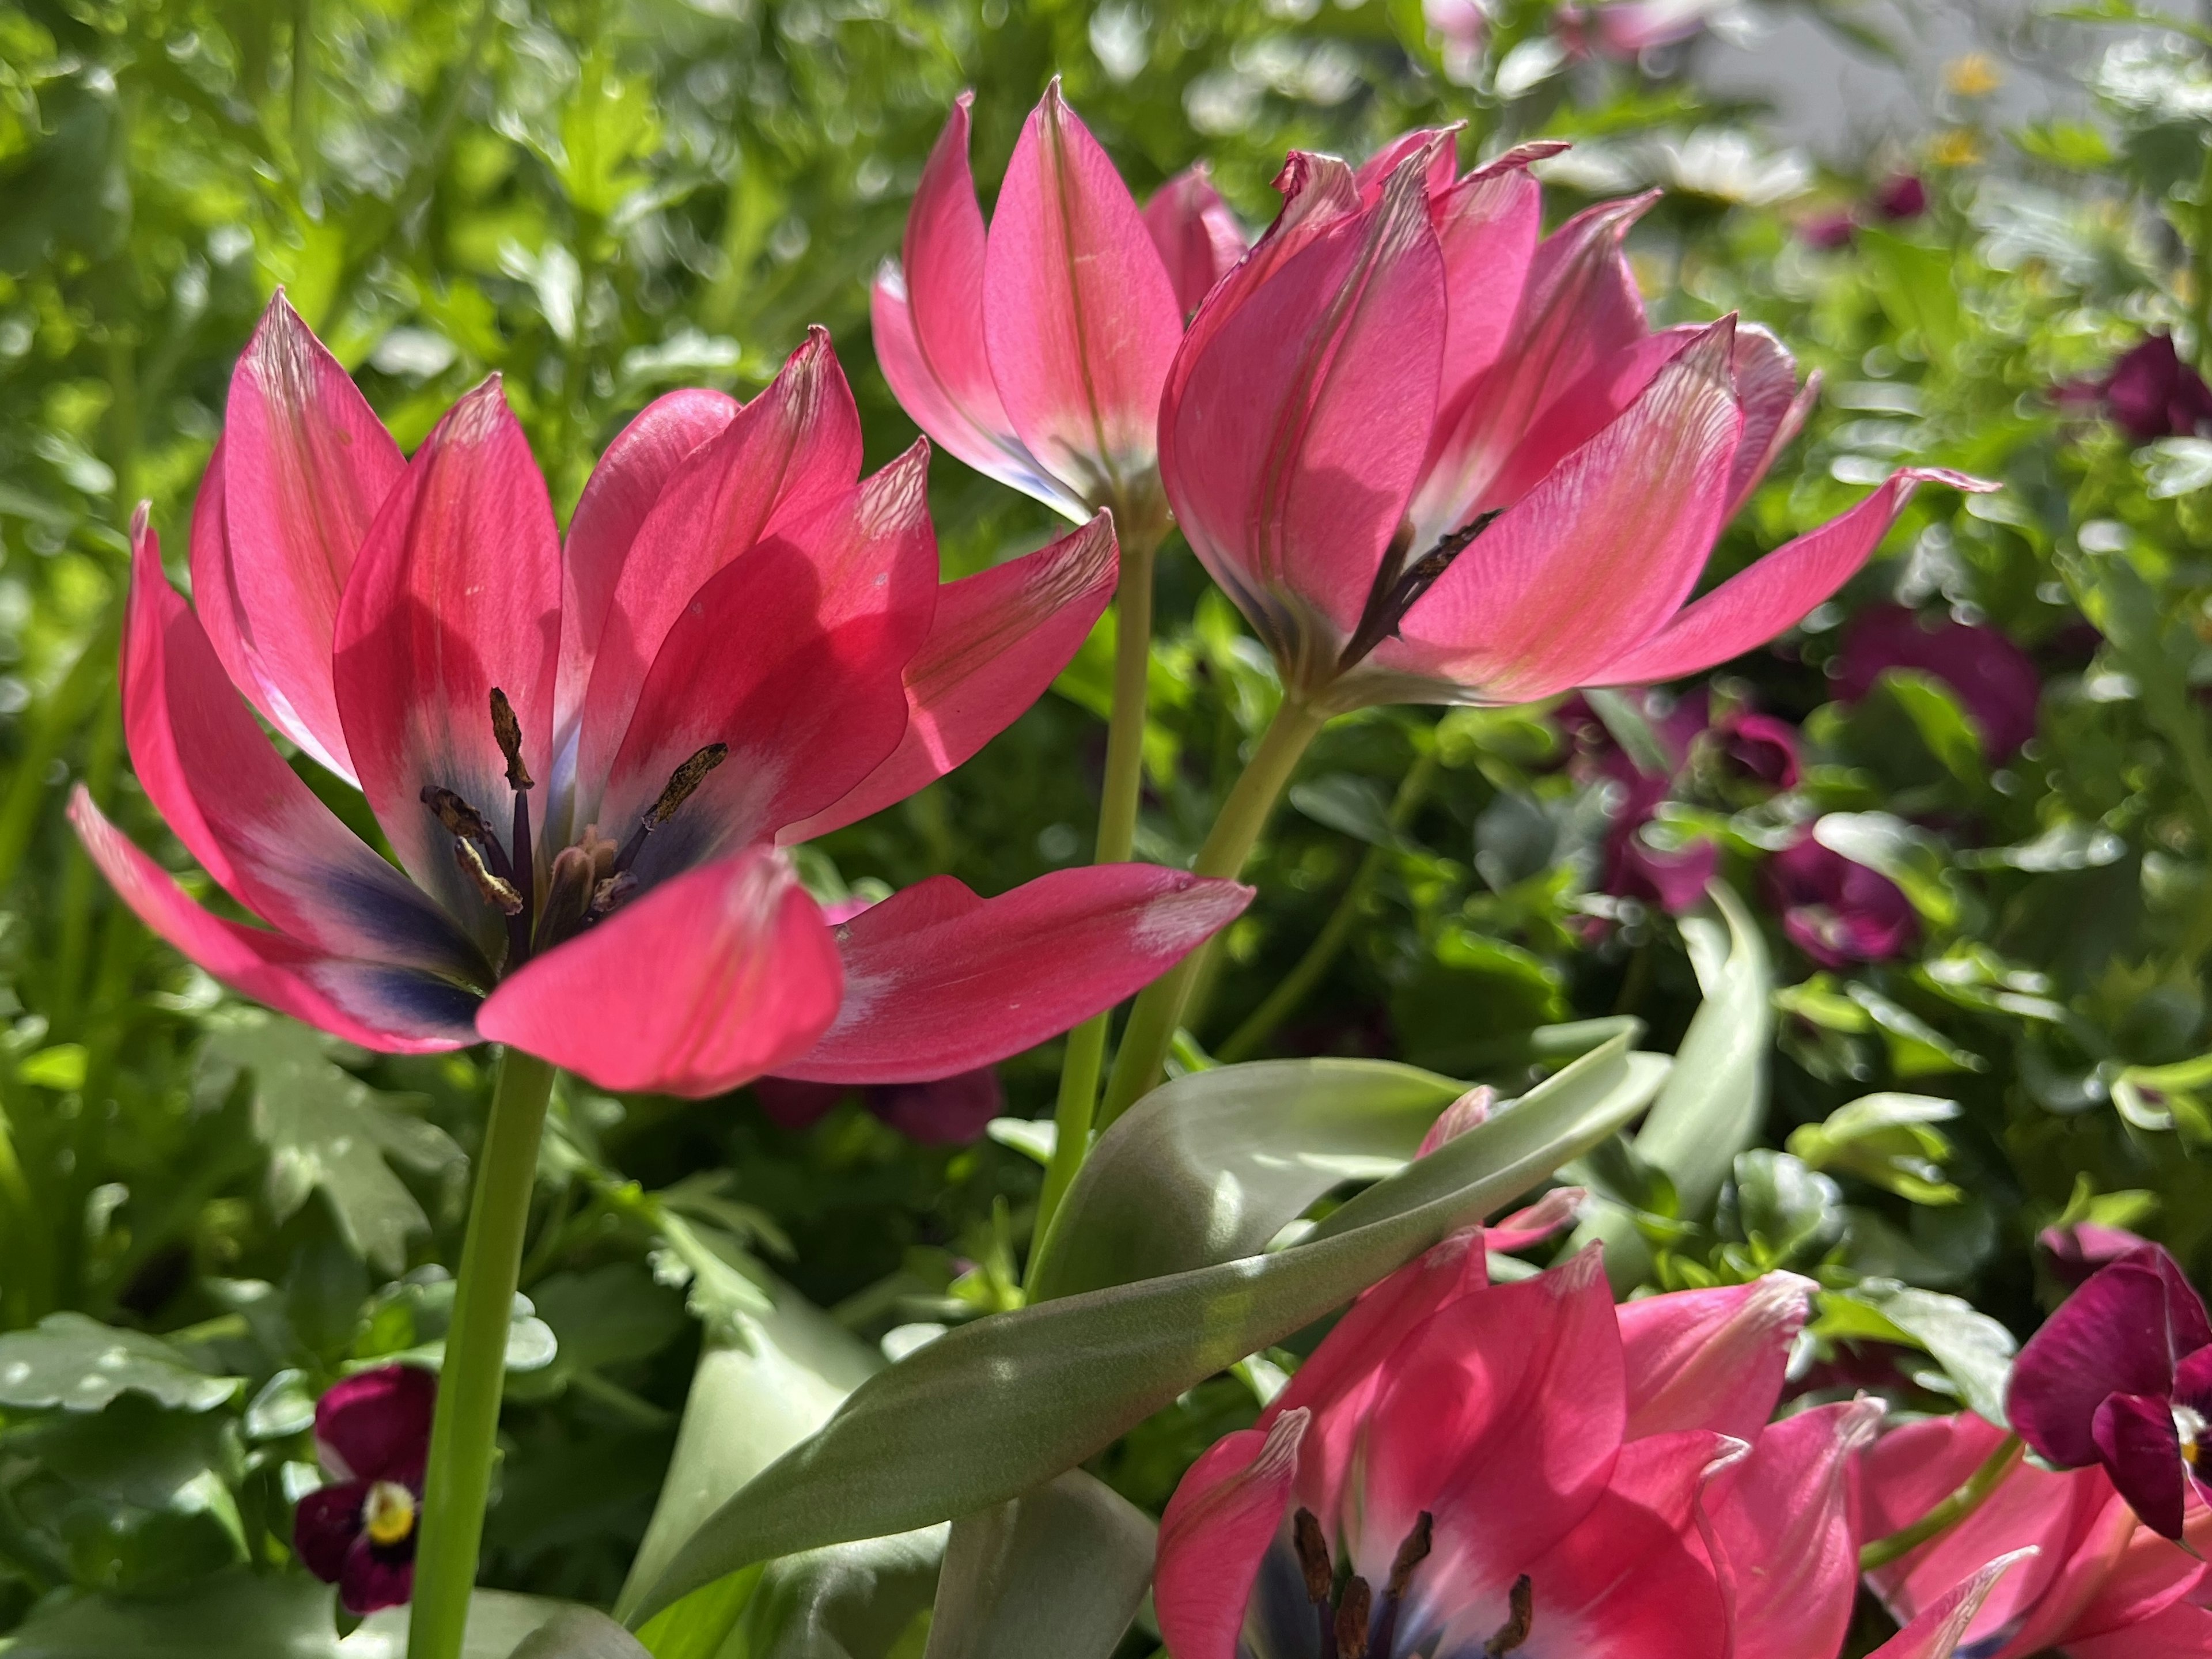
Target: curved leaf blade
x,y
1059,1570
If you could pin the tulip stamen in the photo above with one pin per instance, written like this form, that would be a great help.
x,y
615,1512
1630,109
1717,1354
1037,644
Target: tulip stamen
x,y
1351,1614
493,889
1412,1552
682,782
507,728
1320,1576
1514,1630
1398,586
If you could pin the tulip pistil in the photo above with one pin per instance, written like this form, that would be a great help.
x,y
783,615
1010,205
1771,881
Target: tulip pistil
x,y
1522,1618
1398,586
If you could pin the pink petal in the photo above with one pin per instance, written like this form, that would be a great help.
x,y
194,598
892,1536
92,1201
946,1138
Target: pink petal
x,y
1439,145
792,656
245,815
1216,1531
1937,1632
375,1425
458,590
2182,1631
1339,1384
1079,314
708,980
1783,1530
1502,1417
1292,438
1774,408
1487,226
620,494
999,639
2151,1574
928,325
1595,557
1578,307
1711,1360
290,493
1199,239
1774,594
938,980
1625,1582
394,1011
776,468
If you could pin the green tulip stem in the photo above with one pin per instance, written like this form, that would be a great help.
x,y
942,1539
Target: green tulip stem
x,y
1159,1007
1299,984
1949,1513
1117,838
465,1431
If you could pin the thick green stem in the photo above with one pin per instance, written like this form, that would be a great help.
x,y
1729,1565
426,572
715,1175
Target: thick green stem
x,y
1949,1513
1297,985
1159,1008
466,1428
1117,837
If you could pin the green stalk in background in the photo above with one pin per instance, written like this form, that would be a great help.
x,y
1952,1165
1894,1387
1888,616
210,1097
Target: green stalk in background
x,y
465,1431
1117,838
1299,984
1880,1552
1159,1007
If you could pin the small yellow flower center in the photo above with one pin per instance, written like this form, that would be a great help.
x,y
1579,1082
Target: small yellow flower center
x,y
2192,1428
387,1514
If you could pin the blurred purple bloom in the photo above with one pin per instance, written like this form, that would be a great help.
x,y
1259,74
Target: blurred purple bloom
x,y
1622,28
1827,230
949,1112
1758,747
1994,678
2151,394
1902,196
1636,869
1837,912
2078,1252
2122,1376
372,1438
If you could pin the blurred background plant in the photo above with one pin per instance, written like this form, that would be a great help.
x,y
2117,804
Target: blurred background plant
x,y
1969,805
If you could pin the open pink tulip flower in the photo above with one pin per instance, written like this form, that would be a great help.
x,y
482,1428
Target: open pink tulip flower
x,y
1035,348
1436,457
2121,1375
1466,1469
584,758
2095,1582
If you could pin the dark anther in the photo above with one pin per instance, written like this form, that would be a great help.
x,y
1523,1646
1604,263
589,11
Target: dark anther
x,y
1412,1552
1352,1613
1514,1630
496,890
1398,586
457,815
508,730
682,780
1320,1576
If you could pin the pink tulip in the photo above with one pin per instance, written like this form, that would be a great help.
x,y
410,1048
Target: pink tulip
x,y
1035,349
541,732
2099,1585
1433,457
1464,1468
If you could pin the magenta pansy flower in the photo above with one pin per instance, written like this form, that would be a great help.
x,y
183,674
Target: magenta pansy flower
x,y
1434,456
1465,1468
1836,911
2088,1579
1993,678
2121,1377
373,1438
585,757
2078,1252
1900,197
2151,394
950,1111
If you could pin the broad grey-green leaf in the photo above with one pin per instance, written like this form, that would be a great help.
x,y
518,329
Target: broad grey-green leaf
x,y
246,1615
580,1633
1351,806
1210,1166
856,1600
995,1408
1716,1097
1973,1349
80,1364
1059,1570
324,1128
756,1393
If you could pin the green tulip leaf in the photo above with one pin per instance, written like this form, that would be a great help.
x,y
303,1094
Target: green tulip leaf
x,y
995,1408
580,1633
1059,1570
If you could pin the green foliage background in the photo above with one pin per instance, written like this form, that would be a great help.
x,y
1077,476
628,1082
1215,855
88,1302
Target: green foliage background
x,y
599,200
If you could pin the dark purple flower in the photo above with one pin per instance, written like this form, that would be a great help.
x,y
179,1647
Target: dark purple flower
x,y
2122,1376
950,1111
1837,912
2078,1252
1636,869
373,1436
1832,229
1757,749
1994,678
2152,393
1902,196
